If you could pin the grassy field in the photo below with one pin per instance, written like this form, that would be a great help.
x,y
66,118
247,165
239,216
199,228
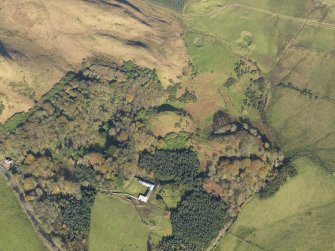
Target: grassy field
x,y
273,33
216,33
227,26
134,188
285,49
296,8
118,225
304,126
16,232
298,217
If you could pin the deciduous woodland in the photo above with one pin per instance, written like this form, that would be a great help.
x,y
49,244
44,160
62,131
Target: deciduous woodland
x,y
94,130
174,125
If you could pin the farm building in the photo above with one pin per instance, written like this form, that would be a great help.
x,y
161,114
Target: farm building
x,y
7,163
150,186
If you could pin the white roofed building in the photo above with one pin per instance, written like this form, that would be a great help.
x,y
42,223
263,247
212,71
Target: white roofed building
x,y
150,186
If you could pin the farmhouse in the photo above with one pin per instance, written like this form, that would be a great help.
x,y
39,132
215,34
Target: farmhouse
x,y
145,197
7,163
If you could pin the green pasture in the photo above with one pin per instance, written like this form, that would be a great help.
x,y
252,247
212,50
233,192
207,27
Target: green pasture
x,y
16,232
295,8
304,126
117,225
286,51
227,26
298,217
208,53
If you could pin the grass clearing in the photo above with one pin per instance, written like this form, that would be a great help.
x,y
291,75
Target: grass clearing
x,y
172,194
16,232
176,141
116,225
208,89
164,123
207,53
298,217
14,121
134,188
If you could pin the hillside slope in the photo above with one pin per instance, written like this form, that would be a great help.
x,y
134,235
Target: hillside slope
x,y
41,40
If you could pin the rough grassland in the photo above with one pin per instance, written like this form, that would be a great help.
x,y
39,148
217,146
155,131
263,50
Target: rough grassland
x,y
116,225
176,5
270,34
299,217
214,31
208,53
296,8
286,50
304,126
55,36
16,232
168,122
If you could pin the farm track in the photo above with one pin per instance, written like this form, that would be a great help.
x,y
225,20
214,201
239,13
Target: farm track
x,y
247,242
305,21
112,193
211,35
43,235
290,43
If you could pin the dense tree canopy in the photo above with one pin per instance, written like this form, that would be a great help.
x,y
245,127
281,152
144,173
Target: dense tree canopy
x,y
78,135
282,173
177,165
195,222
77,214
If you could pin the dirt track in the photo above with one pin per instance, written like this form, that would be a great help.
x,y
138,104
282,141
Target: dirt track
x,y
311,22
48,242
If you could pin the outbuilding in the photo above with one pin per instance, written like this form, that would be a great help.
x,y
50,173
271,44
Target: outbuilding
x,y
145,197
